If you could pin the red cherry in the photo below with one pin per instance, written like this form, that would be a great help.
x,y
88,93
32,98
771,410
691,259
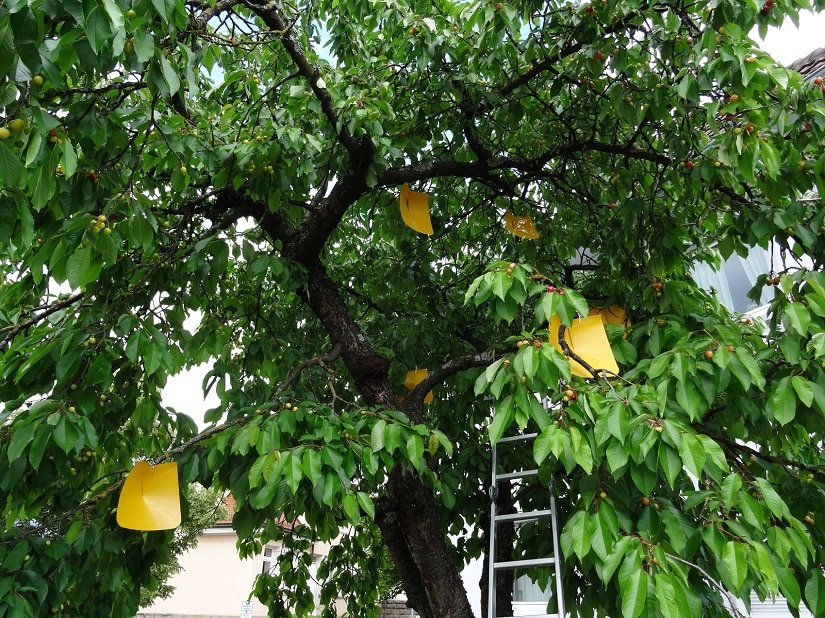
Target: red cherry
x,y
551,289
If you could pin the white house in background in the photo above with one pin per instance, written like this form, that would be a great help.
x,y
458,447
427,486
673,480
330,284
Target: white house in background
x,y
214,582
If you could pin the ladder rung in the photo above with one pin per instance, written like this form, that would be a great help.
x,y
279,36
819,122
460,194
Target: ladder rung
x,y
532,615
524,436
530,562
524,516
520,474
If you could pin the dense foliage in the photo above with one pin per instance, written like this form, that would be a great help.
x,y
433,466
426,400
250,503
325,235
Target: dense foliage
x,y
217,182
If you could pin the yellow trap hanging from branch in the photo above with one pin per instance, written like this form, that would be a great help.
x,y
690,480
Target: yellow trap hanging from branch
x,y
149,499
414,378
521,226
414,210
587,338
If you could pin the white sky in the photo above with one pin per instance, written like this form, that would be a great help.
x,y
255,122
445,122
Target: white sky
x,y
789,43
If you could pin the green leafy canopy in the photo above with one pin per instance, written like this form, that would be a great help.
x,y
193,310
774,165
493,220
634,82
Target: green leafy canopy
x,y
217,182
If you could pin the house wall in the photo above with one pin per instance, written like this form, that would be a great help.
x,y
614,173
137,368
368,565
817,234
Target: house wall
x,y
213,582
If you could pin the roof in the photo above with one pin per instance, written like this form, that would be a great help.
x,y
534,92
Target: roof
x,y
396,608
812,65
228,501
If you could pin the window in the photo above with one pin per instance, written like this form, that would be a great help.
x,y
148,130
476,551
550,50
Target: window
x,y
269,560
734,279
527,591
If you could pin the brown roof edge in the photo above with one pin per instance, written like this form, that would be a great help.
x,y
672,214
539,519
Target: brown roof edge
x,y
811,65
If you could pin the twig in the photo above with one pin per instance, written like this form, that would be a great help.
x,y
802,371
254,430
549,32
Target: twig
x,y
13,330
596,373
728,596
211,431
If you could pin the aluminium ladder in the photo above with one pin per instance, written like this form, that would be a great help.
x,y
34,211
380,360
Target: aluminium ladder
x,y
520,518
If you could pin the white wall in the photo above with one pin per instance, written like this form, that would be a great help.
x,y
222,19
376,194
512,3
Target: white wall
x,y
214,580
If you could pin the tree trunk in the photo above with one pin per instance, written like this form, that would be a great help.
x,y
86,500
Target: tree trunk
x,y
409,521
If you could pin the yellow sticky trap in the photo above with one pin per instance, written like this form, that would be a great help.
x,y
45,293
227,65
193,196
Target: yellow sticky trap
x,y
414,210
521,226
414,378
612,315
588,339
149,499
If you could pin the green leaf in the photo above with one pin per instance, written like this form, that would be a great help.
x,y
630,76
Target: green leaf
x,y
797,317
377,435
633,580
577,535
735,568
350,503
803,390
788,586
672,597
79,269
21,436
311,465
415,450
688,398
65,435
692,453
782,402
502,419
366,504
546,443
10,167
815,592
776,505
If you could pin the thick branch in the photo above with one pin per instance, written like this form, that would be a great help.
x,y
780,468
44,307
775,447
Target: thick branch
x,y
199,22
484,169
415,398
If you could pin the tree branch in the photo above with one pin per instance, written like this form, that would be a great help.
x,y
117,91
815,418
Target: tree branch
x,y
199,22
718,585
568,351
270,14
13,330
322,361
415,398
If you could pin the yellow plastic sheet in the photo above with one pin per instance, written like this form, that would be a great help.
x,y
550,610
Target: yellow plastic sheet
x,y
414,378
414,210
521,226
588,339
614,314
149,499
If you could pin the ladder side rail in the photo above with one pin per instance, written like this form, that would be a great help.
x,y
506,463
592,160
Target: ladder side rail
x,y
554,519
491,567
